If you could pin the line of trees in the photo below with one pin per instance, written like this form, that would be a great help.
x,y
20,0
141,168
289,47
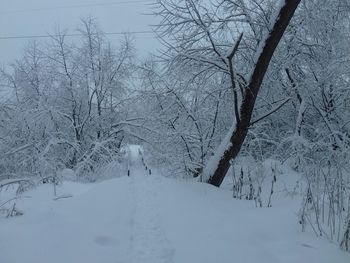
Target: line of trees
x,y
67,105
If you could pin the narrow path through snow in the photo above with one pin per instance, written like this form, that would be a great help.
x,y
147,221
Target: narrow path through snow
x,y
148,241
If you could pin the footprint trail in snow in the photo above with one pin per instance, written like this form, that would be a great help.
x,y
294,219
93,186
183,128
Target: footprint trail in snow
x,y
148,243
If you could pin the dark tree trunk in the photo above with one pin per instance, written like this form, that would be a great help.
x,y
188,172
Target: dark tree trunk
x,y
238,136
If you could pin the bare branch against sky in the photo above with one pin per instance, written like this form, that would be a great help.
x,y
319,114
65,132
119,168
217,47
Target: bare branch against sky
x,y
21,18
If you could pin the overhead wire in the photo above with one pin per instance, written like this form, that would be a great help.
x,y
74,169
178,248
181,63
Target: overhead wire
x,y
74,6
78,34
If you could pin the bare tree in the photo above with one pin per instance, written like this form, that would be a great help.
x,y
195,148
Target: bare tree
x,y
197,35
218,166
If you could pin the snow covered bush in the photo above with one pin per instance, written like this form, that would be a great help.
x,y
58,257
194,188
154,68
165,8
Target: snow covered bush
x,y
67,104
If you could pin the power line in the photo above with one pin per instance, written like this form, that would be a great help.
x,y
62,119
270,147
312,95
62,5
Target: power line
x,y
74,6
78,34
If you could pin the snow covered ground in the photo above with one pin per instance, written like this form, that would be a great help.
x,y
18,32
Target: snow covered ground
x,y
152,219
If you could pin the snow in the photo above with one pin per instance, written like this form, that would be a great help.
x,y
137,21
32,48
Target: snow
x,y
214,160
153,219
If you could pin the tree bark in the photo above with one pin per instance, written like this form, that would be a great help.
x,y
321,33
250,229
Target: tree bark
x,y
266,49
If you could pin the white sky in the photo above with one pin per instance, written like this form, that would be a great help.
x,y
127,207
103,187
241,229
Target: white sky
x,y
21,18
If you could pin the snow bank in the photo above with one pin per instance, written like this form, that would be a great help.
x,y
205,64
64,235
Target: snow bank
x,y
152,219
214,160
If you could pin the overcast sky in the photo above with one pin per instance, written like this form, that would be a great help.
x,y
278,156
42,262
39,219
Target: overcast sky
x,y
39,17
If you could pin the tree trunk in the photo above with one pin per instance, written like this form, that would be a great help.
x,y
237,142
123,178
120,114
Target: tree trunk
x,y
266,48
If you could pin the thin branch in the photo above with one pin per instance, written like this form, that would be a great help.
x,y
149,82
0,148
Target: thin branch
x,y
232,75
270,112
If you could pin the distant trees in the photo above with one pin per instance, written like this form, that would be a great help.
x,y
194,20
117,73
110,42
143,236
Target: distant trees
x,y
66,105
185,113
